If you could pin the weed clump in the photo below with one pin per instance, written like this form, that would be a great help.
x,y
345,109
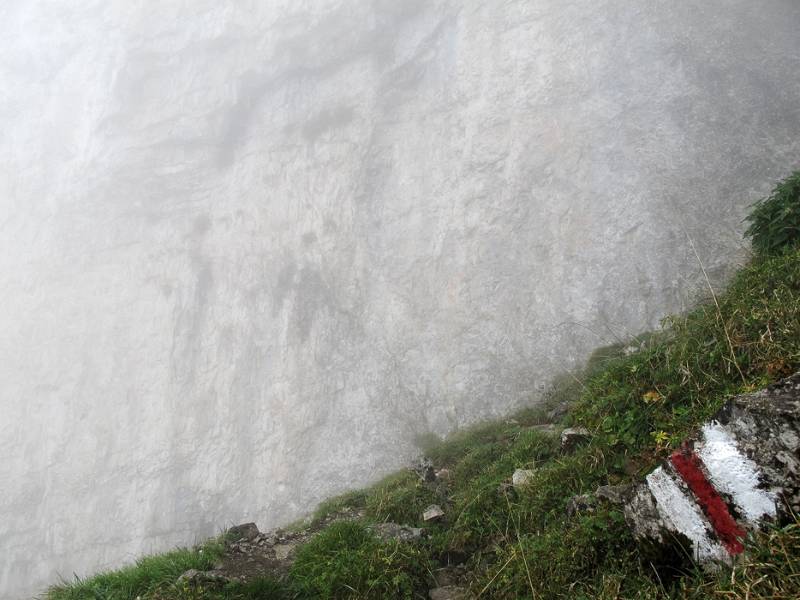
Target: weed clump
x,y
775,220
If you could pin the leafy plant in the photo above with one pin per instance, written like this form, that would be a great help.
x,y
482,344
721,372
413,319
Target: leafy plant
x,y
775,220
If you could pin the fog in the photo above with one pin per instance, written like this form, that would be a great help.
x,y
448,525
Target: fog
x,y
250,250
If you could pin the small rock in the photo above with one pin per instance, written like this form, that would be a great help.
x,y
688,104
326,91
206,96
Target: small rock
x,y
433,513
580,503
522,477
394,532
572,437
450,592
246,531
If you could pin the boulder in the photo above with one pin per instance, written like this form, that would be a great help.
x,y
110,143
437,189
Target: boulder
x,y
738,473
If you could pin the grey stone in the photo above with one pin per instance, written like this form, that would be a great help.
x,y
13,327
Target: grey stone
x,y
767,425
433,513
522,477
572,437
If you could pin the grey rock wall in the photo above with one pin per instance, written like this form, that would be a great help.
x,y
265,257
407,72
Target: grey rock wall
x,y
249,250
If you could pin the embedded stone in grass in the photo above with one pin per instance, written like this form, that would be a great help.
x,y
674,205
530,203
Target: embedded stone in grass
x,y
572,437
393,532
433,513
522,477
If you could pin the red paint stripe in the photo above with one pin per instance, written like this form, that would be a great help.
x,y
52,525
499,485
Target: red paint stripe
x,y
690,467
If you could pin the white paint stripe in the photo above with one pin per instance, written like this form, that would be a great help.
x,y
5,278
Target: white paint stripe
x,y
682,513
734,474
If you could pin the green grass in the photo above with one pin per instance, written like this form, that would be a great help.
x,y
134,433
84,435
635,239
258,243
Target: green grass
x,y
150,577
347,561
775,220
519,543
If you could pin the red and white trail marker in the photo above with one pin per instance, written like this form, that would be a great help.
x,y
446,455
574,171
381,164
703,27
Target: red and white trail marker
x,y
740,471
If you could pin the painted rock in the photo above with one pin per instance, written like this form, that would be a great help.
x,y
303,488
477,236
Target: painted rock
x,y
740,471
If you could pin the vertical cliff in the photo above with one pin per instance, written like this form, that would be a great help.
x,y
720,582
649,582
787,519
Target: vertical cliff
x,y
249,251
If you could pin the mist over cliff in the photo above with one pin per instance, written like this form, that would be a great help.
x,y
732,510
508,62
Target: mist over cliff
x,y
250,250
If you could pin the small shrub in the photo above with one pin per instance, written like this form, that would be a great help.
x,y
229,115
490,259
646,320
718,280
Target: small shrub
x,y
775,220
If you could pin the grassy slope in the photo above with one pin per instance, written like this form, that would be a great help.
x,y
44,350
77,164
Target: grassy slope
x,y
521,543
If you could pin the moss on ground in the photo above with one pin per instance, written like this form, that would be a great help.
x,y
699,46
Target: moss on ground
x,y
521,543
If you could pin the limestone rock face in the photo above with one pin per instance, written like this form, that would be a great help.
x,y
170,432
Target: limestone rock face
x,y
250,251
